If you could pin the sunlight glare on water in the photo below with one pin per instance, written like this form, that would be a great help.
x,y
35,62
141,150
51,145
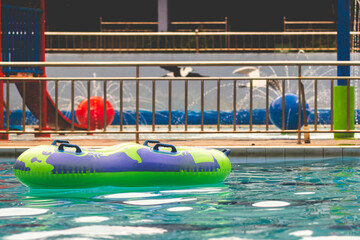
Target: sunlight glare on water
x,y
275,201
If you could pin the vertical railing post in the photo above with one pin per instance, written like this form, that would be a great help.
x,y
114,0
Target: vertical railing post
x,y
72,105
299,108
56,105
7,105
251,106
303,109
218,105
283,106
105,108
315,104
43,75
24,106
186,91
153,104
3,136
197,40
121,104
202,100
137,137
170,104
267,105
88,105
234,105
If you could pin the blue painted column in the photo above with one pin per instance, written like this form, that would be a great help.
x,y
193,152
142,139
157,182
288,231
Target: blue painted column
x,y
344,110
343,38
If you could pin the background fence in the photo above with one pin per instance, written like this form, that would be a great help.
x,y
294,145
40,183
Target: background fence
x,y
191,41
234,91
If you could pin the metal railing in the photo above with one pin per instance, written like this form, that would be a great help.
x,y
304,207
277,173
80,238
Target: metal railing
x,y
201,128
194,42
184,26
302,26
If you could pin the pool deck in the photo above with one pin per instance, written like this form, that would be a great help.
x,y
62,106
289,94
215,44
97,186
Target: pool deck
x,y
96,142
258,151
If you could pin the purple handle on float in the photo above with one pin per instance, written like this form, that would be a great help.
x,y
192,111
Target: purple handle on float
x,y
61,147
58,141
173,148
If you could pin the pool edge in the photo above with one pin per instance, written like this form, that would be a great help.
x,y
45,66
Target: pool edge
x,y
257,154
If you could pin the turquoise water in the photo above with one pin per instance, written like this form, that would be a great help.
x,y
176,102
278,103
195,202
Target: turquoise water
x,y
318,200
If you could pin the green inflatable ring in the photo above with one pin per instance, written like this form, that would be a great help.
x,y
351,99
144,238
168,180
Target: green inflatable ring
x,y
64,165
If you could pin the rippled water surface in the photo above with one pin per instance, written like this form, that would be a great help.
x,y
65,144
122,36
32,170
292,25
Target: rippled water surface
x,y
319,200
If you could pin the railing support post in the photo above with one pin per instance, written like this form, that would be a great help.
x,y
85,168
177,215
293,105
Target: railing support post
x,y
3,136
302,101
197,40
43,75
137,137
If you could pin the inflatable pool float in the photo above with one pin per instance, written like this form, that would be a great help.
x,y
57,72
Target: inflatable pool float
x,y
64,165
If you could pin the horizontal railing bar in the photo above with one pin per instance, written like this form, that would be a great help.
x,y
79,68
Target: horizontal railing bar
x,y
128,23
181,132
189,49
29,79
195,23
325,49
151,23
309,22
180,63
191,33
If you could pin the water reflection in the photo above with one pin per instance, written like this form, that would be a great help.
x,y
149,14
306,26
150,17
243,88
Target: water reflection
x,y
276,202
21,211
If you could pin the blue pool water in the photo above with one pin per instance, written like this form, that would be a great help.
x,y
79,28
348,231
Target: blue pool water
x,y
318,200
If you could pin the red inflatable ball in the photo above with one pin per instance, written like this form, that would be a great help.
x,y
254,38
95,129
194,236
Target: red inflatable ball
x,y
96,112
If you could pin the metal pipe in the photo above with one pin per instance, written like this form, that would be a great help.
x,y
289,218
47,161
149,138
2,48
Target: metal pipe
x,y
170,97
218,105
297,33
181,63
137,137
332,104
251,105
202,105
72,105
234,105
7,105
186,91
56,105
40,105
81,79
174,132
88,105
348,105
283,106
267,105
121,105
105,108
315,104
299,111
24,106
153,104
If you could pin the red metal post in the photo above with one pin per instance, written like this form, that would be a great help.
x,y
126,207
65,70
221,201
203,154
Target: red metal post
x,y
43,83
3,136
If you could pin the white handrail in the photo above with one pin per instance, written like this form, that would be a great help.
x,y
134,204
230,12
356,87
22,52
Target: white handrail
x,y
186,33
180,63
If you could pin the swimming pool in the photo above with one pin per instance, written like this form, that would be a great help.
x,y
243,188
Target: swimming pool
x,y
312,200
